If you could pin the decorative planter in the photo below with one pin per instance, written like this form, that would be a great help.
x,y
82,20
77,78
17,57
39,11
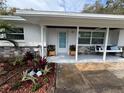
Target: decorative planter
x,y
72,53
51,53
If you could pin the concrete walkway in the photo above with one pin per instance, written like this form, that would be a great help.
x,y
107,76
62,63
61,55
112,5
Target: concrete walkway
x,y
90,78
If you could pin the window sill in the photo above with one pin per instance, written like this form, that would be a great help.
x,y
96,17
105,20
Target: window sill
x,y
20,41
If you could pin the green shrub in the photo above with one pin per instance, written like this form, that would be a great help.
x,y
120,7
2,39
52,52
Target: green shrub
x,y
16,85
36,87
17,61
46,80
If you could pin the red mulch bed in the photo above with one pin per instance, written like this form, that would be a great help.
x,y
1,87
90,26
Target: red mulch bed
x,y
26,86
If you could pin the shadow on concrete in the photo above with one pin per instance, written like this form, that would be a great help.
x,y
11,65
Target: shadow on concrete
x,y
72,80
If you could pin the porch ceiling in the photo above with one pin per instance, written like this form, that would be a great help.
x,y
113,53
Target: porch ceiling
x,y
73,19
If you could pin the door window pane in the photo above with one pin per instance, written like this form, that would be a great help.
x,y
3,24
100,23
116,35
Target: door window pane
x,y
62,40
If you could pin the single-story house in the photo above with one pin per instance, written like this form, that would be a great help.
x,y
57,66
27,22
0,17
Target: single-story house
x,y
96,37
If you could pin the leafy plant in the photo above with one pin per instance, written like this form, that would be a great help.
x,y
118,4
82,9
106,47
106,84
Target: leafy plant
x,y
16,85
18,61
46,70
39,62
35,62
5,26
28,56
46,80
36,87
27,77
72,48
42,62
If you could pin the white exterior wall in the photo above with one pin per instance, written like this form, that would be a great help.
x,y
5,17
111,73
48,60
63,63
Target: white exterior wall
x,y
32,36
72,36
113,37
52,36
121,38
32,33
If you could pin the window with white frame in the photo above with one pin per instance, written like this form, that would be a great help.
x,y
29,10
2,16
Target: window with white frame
x,y
91,37
84,37
14,34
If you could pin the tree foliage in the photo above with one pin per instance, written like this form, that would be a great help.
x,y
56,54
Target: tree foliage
x,y
6,26
110,7
97,7
4,9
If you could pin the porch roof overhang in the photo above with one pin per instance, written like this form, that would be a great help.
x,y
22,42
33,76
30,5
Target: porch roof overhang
x,y
13,19
73,19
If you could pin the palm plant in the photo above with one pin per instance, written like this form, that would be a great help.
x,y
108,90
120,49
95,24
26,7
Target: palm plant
x,y
27,77
46,69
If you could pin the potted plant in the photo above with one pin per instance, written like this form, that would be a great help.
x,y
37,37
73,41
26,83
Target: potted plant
x,y
51,50
72,50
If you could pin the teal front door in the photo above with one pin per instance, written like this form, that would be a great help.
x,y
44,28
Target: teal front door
x,y
62,47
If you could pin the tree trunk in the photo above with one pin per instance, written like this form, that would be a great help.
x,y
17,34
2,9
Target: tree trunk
x,y
11,41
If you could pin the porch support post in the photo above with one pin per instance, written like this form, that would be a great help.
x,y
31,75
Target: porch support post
x,y
42,41
105,46
76,55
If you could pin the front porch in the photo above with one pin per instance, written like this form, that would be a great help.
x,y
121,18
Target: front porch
x,y
83,58
89,37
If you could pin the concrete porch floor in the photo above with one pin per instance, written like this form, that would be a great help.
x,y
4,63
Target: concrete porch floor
x,y
64,58
90,78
